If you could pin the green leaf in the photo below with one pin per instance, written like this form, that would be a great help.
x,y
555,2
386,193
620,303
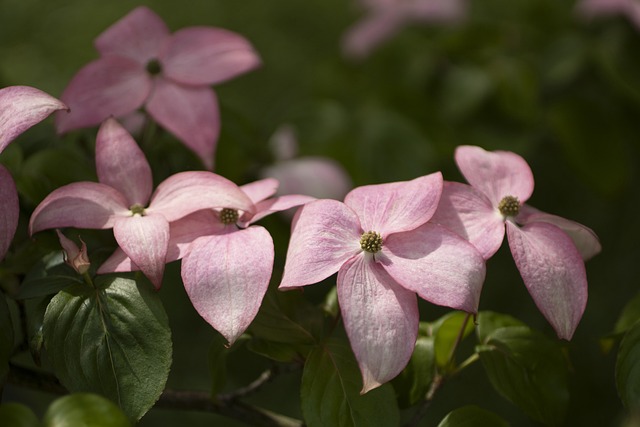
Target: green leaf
x,y
447,332
218,364
113,340
628,368
472,416
414,381
330,392
17,415
86,410
528,369
49,276
629,316
280,352
489,321
6,337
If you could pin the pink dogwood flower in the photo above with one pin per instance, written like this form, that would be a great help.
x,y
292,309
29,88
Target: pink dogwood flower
x,y
143,64
549,251
120,200
20,108
228,261
594,8
387,17
385,252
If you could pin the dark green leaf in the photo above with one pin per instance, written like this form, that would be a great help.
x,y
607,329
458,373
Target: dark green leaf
x,y
528,369
472,416
113,340
463,91
84,410
489,321
48,277
628,368
414,381
280,352
6,337
17,415
330,392
447,331
218,364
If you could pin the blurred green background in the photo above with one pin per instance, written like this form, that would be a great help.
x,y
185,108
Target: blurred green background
x,y
528,76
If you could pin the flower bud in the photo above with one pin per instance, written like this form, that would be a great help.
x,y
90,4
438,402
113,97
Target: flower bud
x,y
74,257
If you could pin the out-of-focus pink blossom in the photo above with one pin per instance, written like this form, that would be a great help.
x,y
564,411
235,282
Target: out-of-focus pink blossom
x,y
20,108
142,64
122,200
385,18
549,251
385,252
595,8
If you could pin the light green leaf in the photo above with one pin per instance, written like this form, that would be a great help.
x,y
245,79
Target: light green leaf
x,y
414,381
489,321
17,415
84,410
447,330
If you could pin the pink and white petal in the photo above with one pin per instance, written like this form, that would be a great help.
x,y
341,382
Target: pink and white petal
x,y
278,204
397,206
187,192
138,35
261,189
9,210
468,213
190,113
121,164
144,239
366,35
118,262
226,277
110,86
79,205
583,237
497,174
553,272
437,264
207,56
22,107
325,235
380,317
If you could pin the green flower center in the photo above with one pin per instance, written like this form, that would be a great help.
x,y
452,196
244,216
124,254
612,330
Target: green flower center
x,y
229,216
154,67
371,242
509,206
137,209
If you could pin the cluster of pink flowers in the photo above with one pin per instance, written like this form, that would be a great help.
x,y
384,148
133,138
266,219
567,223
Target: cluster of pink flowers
x,y
388,243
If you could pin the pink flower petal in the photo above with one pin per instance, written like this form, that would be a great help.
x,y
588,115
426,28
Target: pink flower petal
x,y
366,35
79,205
187,192
121,164
206,56
226,277
468,213
497,174
189,113
144,239
436,264
110,86
553,272
278,204
9,210
325,235
380,317
397,206
22,107
583,237
260,190
138,35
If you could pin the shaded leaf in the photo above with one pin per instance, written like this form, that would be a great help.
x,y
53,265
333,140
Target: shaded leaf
x,y
472,416
414,381
628,368
218,364
17,415
6,337
49,276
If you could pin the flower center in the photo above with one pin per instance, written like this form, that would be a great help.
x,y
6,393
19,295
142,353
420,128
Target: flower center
x,y
154,67
509,206
229,216
137,209
371,242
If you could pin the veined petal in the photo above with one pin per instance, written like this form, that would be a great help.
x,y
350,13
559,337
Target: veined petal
x,y
79,205
261,189
583,237
497,174
226,277
181,234
397,206
277,204
468,213
380,317
326,234
206,56
553,272
121,164
110,86
9,210
144,239
437,264
138,35
22,107
187,192
189,113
